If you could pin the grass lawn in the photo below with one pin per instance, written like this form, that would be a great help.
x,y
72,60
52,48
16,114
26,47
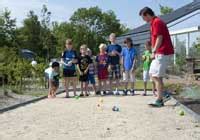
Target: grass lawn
x,y
139,85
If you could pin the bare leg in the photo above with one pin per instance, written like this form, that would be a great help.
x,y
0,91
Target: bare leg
x,y
161,79
81,88
94,88
110,84
100,85
86,88
74,81
159,87
125,85
132,85
50,93
54,91
66,84
133,80
154,88
105,87
117,84
145,87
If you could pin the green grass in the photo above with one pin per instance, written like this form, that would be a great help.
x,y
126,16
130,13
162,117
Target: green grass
x,y
139,85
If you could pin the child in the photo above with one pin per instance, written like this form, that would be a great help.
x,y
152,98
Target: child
x,y
46,72
91,73
102,66
114,51
53,80
129,62
69,59
146,66
83,66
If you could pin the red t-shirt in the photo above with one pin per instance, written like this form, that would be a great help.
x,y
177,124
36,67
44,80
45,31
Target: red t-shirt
x,y
158,27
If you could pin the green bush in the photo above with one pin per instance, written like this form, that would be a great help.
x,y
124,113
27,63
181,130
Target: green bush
x,y
18,71
38,73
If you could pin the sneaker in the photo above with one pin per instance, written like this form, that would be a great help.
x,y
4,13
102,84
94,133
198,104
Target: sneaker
x,y
132,91
98,93
125,92
101,93
166,96
116,92
157,103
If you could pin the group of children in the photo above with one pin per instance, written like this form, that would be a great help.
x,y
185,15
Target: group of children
x,y
112,63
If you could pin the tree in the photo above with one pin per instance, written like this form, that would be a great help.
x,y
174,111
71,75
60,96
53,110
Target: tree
x,y
7,29
63,31
48,39
165,10
2,33
102,23
89,26
29,34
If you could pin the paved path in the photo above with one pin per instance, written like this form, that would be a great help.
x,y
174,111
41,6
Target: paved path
x,y
71,119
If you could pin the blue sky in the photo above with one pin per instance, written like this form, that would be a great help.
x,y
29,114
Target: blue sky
x,y
126,10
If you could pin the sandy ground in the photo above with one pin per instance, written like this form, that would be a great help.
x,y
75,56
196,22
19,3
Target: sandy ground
x,y
72,119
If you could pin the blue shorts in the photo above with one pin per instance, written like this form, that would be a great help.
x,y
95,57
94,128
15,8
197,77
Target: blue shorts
x,y
91,79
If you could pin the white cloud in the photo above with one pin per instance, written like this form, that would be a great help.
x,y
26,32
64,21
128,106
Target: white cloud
x,y
20,8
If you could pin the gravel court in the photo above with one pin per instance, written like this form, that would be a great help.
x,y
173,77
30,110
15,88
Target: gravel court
x,y
72,119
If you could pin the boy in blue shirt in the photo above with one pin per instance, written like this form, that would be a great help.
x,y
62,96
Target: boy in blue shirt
x,y
129,62
69,60
114,52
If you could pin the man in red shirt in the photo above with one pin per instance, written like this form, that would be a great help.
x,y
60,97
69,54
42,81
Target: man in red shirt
x,y
162,50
